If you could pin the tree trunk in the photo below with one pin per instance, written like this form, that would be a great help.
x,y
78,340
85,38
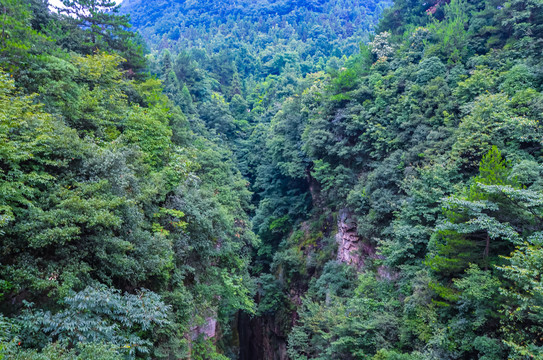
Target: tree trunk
x,y
487,251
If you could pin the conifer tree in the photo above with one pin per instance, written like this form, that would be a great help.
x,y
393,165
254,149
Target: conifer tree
x,y
99,17
104,29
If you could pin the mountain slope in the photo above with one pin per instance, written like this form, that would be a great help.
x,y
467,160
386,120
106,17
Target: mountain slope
x,y
272,181
390,184
257,35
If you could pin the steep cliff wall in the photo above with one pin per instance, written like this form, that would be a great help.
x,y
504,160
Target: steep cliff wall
x,y
262,338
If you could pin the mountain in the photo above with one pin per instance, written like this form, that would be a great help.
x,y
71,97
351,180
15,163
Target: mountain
x,y
257,37
271,180
389,172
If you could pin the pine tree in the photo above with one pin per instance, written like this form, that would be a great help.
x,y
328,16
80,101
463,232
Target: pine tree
x,y
99,17
105,30
474,221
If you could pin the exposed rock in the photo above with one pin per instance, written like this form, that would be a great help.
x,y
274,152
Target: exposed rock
x,y
349,244
209,329
352,249
261,338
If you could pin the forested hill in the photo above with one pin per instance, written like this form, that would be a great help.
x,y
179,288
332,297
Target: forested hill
x,y
244,21
397,189
271,180
256,38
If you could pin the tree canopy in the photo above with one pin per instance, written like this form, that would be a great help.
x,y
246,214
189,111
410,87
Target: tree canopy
x,y
271,179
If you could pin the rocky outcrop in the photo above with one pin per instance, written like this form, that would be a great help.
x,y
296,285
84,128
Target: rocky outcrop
x,y
261,338
352,249
349,244
208,329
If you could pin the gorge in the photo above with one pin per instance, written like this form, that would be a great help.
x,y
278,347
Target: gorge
x,y
271,179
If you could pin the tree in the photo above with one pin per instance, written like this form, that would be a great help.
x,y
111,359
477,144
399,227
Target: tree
x,y
523,22
104,29
185,100
99,18
100,315
523,313
477,219
16,34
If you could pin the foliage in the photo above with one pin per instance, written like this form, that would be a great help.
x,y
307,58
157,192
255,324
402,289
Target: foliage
x,y
121,225
262,168
99,315
525,294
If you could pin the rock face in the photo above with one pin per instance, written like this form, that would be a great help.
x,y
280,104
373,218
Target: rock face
x,y
349,244
261,338
209,329
352,249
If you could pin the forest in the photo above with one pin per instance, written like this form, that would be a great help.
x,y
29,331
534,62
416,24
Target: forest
x,y
271,179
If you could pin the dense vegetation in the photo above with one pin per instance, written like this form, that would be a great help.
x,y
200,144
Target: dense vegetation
x,y
123,231
271,180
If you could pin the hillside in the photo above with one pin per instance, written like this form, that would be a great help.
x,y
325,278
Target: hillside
x,y
258,25
370,171
240,43
271,180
